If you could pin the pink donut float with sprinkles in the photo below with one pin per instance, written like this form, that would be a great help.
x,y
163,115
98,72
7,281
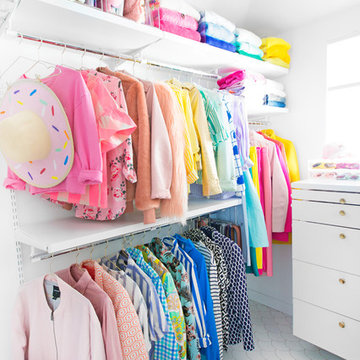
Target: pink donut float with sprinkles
x,y
35,135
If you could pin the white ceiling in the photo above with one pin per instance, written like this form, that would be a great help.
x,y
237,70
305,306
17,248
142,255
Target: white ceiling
x,y
271,17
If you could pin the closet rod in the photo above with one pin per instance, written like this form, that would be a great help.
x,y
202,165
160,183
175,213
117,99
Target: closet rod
x,y
121,57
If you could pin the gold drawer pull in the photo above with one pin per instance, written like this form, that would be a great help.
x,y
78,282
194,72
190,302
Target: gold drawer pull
x,y
342,324
342,236
342,281
342,212
342,201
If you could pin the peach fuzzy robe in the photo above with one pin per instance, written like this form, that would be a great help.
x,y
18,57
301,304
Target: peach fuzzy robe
x,y
137,109
173,116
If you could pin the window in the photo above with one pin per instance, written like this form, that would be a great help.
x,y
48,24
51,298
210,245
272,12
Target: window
x,y
343,94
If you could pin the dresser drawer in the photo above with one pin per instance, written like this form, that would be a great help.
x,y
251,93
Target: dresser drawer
x,y
330,331
329,289
332,214
330,246
335,197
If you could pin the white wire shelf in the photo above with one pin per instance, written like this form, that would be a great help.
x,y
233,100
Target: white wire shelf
x,y
61,234
79,25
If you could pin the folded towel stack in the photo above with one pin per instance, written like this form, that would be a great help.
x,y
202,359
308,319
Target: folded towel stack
x,y
176,17
256,89
216,31
247,43
276,51
274,94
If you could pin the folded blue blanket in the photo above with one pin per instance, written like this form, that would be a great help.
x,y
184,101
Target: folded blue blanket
x,y
216,31
276,104
218,43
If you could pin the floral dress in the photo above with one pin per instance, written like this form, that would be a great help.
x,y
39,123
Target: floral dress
x,y
120,166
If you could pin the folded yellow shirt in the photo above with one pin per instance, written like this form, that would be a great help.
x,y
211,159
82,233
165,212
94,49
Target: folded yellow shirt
x,y
277,52
277,61
271,41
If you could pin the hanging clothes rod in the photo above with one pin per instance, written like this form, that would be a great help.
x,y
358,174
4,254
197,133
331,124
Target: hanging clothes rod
x,y
121,57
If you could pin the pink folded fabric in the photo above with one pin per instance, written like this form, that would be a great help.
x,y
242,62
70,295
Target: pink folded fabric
x,y
231,79
175,18
178,30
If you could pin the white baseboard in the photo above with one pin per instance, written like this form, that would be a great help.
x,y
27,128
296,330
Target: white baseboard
x,y
270,301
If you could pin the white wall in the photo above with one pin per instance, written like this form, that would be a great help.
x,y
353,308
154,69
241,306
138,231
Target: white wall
x,y
304,125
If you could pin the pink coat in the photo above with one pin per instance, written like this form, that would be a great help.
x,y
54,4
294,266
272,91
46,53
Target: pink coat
x,y
70,88
280,196
71,331
82,282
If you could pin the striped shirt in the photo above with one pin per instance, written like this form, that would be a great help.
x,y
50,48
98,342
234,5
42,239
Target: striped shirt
x,y
212,352
136,298
167,347
200,309
158,325
213,282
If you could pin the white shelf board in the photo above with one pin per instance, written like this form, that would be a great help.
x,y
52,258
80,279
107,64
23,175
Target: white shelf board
x,y
69,233
327,185
80,25
266,111
76,24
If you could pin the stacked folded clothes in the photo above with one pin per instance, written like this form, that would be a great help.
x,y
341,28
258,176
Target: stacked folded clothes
x,y
274,94
276,51
232,81
216,31
256,89
176,17
247,43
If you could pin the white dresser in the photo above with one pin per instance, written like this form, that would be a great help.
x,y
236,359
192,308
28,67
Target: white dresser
x,y
326,265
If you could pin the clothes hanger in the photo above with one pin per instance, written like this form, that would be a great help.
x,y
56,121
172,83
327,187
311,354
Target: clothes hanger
x,y
82,67
108,257
91,251
44,63
51,276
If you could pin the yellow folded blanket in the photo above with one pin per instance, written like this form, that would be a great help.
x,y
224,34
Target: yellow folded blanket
x,y
277,61
277,51
271,41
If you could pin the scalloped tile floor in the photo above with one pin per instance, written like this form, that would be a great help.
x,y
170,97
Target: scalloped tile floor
x,y
274,340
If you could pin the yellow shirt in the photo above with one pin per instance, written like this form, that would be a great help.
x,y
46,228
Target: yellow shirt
x,y
255,177
209,175
189,157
